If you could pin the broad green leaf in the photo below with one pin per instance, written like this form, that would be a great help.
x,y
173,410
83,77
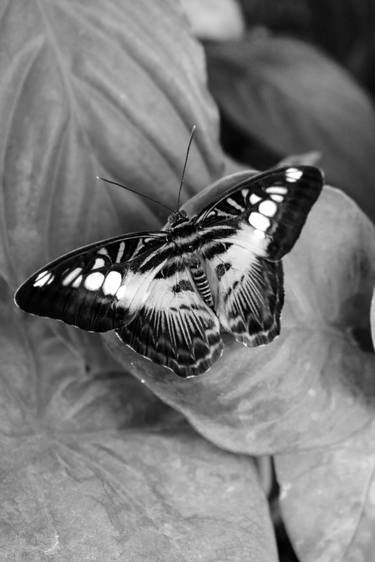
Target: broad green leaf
x,y
293,99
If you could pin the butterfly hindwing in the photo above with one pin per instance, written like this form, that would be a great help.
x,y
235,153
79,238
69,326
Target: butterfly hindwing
x,y
248,294
175,327
91,287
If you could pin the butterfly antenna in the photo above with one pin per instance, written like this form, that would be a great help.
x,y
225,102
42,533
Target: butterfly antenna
x,y
184,168
134,191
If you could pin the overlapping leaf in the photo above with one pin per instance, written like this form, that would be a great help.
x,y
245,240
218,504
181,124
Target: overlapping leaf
x,y
81,98
291,98
94,466
328,500
314,385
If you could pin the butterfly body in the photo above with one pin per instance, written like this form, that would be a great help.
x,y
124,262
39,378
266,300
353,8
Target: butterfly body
x,y
170,294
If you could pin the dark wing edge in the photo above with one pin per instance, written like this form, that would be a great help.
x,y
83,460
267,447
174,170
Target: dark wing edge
x,y
275,204
80,287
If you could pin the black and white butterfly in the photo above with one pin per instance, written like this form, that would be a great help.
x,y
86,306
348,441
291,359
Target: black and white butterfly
x,y
169,294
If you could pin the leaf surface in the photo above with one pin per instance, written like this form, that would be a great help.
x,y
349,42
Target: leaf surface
x,y
93,465
292,99
312,386
328,500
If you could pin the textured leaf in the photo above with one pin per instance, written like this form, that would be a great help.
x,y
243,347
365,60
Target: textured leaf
x,y
215,19
80,97
93,465
293,99
97,468
328,500
312,386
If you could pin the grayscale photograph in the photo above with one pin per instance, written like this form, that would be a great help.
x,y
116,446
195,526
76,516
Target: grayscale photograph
x,y
187,303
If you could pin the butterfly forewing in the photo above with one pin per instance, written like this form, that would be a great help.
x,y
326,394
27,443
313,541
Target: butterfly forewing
x,y
274,204
92,287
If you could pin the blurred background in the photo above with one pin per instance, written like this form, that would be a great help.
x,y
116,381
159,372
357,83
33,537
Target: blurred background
x,y
295,78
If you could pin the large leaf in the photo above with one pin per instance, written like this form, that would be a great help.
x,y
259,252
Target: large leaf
x,y
312,386
94,466
98,469
327,499
292,99
81,97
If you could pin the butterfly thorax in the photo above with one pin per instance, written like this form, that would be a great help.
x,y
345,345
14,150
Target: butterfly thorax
x,y
175,219
182,234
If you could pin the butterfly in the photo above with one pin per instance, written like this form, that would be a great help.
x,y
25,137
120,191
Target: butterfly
x,y
170,294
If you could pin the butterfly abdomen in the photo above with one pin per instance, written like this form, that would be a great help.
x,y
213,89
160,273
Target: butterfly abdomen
x,y
201,283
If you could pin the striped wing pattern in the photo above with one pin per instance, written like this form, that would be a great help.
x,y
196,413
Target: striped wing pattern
x,y
274,204
248,294
245,273
169,294
175,327
84,287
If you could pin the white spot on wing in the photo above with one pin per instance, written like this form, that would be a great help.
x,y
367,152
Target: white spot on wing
x,y
71,276
41,274
259,234
254,198
112,283
293,174
277,198
234,204
120,252
102,251
248,238
121,293
94,281
256,220
77,282
267,208
140,289
99,262
277,189
43,278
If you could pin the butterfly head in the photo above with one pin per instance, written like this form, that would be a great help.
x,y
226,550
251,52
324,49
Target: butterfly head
x,y
175,219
